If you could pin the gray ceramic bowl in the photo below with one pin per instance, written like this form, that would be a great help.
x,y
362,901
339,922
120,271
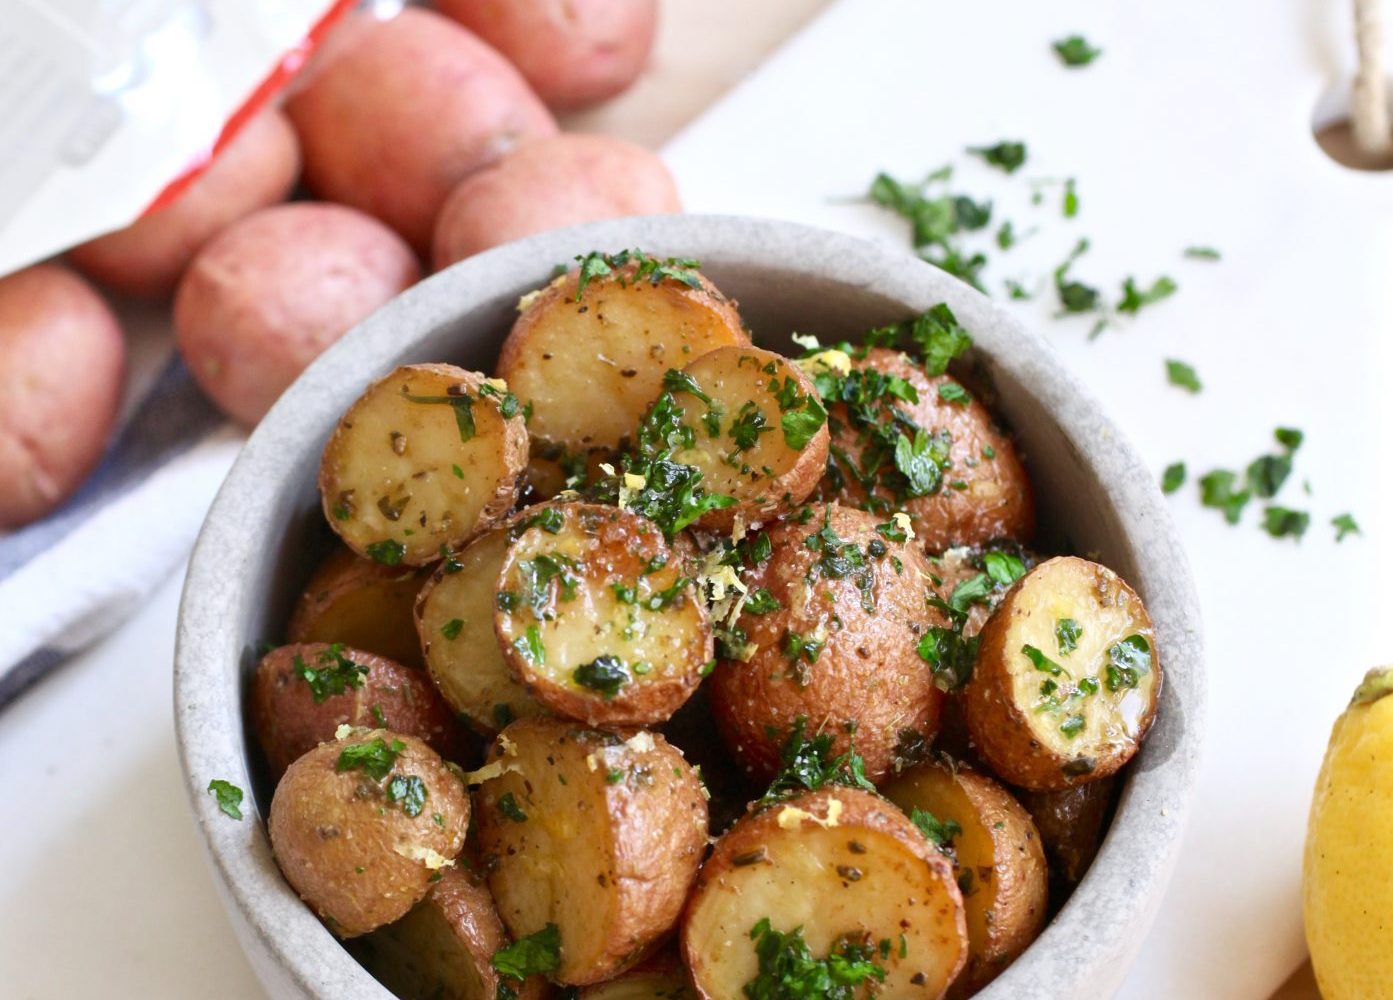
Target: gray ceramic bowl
x,y
265,531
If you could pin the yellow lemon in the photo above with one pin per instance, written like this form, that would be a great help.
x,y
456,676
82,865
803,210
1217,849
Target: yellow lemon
x,y
1348,876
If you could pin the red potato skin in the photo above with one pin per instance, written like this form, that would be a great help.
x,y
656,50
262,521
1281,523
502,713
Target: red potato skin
x,y
398,112
257,169
289,723
59,343
574,53
266,296
559,180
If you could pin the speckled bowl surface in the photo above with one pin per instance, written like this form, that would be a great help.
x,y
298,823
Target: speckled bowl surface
x,y
264,534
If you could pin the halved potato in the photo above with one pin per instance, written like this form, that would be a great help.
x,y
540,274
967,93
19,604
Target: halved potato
x,y
997,860
454,621
303,692
758,431
599,835
660,977
835,870
1071,823
427,458
828,632
445,946
362,604
1067,677
595,617
977,490
361,826
590,356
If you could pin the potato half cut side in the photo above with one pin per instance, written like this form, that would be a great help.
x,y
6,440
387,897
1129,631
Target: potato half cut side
x,y
361,826
362,604
1067,677
968,486
831,871
454,620
758,431
829,632
428,457
591,359
595,617
997,859
445,946
599,835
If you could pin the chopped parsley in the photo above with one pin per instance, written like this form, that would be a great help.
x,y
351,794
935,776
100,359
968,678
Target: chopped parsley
x,y
1134,298
1074,296
654,270
1066,635
940,833
1069,206
1173,478
459,401
375,757
1128,660
388,552
952,392
605,674
1041,661
534,955
1182,375
808,764
788,971
333,674
410,791
1344,524
1283,522
529,644
1009,156
229,797
948,652
1219,490
1075,51
508,806
1201,253
760,602
451,629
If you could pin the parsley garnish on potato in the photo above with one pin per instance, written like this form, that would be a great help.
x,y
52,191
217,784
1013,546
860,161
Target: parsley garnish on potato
x,y
333,674
787,968
808,764
375,757
534,955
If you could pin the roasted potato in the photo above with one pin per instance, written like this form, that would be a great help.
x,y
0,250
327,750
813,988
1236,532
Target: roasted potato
x,y
599,835
595,617
660,977
591,356
547,183
427,458
574,54
360,826
444,947
49,317
1066,679
828,632
454,622
969,485
834,871
362,604
757,431
997,860
304,692
256,169
1071,824
973,581
268,294
393,114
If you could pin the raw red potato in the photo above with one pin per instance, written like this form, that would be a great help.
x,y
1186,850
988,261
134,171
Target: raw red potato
x,y
574,53
266,296
560,180
256,169
56,416
396,113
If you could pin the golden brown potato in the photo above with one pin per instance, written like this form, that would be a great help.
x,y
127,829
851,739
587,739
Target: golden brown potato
x,y
591,358
547,183
256,169
1066,679
758,431
997,861
426,459
832,871
444,947
362,604
268,294
1071,824
594,833
303,692
975,490
360,826
393,114
574,54
48,318
828,632
454,621
660,977
595,617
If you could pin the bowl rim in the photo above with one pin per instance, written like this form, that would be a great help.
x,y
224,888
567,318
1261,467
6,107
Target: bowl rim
x,y
1089,943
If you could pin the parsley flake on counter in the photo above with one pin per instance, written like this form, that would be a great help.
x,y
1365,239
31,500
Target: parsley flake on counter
x,y
1182,375
1344,524
1134,298
1007,155
1218,489
1173,478
1074,51
1074,296
1283,522
1201,253
1070,203
229,797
